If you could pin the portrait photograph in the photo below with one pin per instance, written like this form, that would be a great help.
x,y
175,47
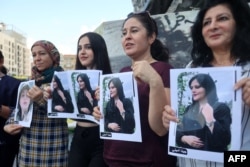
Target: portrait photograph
x,y
119,107
73,94
24,104
208,111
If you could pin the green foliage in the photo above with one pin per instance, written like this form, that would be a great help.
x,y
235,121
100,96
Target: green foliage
x,y
182,80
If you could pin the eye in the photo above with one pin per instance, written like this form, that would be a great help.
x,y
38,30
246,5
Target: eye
x,y
124,33
223,18
196,87
205,23
134,30
88,46
79,48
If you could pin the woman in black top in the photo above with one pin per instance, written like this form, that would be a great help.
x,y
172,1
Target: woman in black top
x,y
206,122
61,99
119,115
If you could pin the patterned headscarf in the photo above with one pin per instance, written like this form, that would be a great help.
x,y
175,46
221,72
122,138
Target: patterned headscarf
x,y
45,76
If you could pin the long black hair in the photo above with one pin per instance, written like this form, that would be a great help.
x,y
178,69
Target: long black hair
x,y
202,54
158,50
101,58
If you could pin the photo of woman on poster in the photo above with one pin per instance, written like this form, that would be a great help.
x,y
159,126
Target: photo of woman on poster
x,y
24,104
61,99
119,114
205,123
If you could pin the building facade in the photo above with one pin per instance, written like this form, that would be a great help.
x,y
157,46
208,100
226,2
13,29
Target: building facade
x,y
17,56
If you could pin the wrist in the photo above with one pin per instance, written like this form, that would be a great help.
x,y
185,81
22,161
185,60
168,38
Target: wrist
x,y
210,123
123,113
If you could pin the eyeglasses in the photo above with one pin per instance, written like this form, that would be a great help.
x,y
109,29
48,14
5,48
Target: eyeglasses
x,y
143,14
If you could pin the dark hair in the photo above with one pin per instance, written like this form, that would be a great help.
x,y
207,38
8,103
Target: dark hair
x,y
59,83
85,79
98,45
118,84
208,84
201,53
4,70
1,55
158,50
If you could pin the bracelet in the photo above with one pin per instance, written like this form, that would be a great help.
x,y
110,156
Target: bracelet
x,y
123,113
210,124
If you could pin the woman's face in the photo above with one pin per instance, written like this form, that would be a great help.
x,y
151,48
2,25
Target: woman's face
x,y
24,100
198,92
81,83
85,52
219,27
135,41
41,58
113,90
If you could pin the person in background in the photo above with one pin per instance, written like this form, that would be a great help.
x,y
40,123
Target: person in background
x,y
86,146
45,143
61,99
152,72
24,104
85,96
119,113
8,95
220,38
205,122
4,70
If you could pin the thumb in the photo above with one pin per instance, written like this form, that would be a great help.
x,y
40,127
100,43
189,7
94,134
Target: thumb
x,y
240,83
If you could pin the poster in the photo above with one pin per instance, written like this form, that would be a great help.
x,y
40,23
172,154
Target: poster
x,y
24,105
73,94
119,107
208,111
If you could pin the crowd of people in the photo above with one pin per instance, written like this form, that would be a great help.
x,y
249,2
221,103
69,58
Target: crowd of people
x,y
220,39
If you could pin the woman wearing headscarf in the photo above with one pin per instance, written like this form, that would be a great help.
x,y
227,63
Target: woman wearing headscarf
x,y
45,143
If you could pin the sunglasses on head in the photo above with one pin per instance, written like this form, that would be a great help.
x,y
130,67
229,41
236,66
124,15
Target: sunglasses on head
x,y
143,13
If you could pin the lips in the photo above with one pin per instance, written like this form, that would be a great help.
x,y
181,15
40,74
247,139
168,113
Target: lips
x,y
214,36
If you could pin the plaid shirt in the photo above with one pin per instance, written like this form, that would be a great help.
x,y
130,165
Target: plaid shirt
x,y
45,143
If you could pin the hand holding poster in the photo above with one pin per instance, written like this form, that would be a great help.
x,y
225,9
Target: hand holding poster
x,y
73,94
24,105
119,107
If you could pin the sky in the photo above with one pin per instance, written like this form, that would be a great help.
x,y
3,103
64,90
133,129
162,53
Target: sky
x,y
61,21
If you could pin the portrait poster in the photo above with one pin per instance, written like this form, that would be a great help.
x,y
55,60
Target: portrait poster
x,y
208,109
120,107
24,104
73,94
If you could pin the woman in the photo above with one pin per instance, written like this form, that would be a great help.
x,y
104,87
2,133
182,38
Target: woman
x,y
220,35
206,122
86,146
85,96
61,99
119,115
24,104
149,57
8,95
45,143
